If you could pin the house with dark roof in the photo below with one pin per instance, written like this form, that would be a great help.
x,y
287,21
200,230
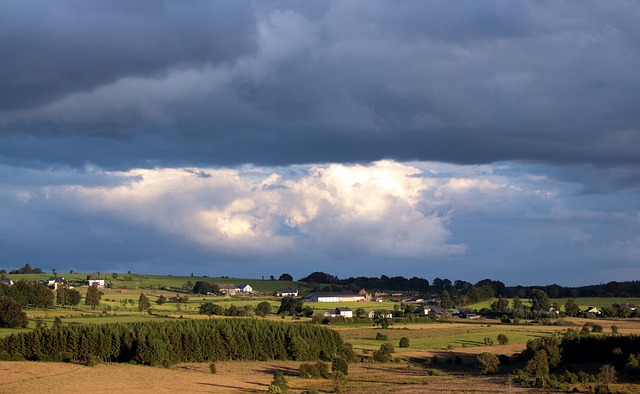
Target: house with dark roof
x,y
289,292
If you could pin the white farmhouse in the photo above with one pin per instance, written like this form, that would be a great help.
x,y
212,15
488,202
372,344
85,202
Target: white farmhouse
x,y
244,288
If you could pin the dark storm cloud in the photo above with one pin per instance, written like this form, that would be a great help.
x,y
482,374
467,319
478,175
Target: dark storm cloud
x,y
53,49
289,82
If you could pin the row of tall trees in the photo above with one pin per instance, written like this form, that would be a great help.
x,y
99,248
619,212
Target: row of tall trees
x,y
165,343
463,292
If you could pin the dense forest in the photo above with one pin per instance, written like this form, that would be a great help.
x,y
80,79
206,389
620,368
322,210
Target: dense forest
x,y
169,342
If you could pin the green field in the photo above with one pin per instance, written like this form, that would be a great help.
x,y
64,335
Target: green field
x,y
583,302
169,282
442,335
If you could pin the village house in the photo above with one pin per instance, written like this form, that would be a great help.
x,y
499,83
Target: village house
x,y
372,314
227,289
54,282
332,297
593,310
340,312
96,282
244,288
289,292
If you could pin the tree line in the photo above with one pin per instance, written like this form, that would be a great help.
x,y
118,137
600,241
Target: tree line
x,y
169,342
462,292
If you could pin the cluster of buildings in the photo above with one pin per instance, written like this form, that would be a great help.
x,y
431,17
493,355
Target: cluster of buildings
x,y
231,289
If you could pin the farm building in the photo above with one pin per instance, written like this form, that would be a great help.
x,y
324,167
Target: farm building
x,y
340,312
226,288
54,282
96,282
387,314
332,297
244,288
289,292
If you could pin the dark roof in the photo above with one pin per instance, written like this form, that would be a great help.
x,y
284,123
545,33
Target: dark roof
x,y
289,291
343,309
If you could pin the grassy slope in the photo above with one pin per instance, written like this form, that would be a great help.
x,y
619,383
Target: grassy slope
x,y
150,282
583,302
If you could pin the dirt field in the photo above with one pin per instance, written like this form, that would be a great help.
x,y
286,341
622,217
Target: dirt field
x,y
410,374
232,377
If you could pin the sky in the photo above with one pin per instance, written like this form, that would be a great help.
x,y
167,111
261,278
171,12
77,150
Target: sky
x,y
462,140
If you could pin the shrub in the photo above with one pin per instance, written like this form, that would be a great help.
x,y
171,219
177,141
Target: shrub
x,y
348,353
340,365
383,355
339,382
314,371
92,360
404,342
489,363
488,341
212,368
381,337
279,383
503,339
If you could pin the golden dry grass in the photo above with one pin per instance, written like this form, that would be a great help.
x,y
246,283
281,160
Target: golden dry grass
x,y
232,377
410,374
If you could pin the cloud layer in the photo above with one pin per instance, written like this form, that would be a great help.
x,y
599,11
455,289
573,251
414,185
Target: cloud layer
x,y
477,139
282,83
426,218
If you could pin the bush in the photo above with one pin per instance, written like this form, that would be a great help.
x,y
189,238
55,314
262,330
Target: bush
x,y
339,382
340,365
381,337
347,352
212,368
488,341
279,383
314,371
404,342
92,360
383,355
503,339
489,363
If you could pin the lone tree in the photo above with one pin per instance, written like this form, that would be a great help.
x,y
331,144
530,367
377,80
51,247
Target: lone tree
x,y
11,314
571,307
93,297
263,309
381,318
143,303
